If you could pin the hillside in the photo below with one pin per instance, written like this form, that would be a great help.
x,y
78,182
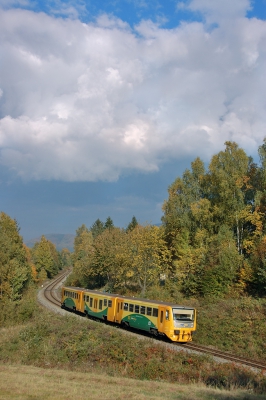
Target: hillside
x,y
60,241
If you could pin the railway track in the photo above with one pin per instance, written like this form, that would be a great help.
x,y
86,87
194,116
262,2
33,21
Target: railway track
x,y
50,292
226,356
51,295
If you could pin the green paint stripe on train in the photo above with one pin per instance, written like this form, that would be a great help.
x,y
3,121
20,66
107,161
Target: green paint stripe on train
x,y
139,321
69,302
99,314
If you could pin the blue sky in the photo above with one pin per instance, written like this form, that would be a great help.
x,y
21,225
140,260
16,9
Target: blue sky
x,y
104,103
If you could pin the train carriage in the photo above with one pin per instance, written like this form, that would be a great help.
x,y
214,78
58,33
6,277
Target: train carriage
x,y
176,322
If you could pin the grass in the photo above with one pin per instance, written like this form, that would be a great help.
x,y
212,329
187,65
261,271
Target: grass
x,y
235,325
66,343
33,383
73,357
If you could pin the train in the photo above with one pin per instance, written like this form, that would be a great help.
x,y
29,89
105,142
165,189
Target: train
x,y
175,322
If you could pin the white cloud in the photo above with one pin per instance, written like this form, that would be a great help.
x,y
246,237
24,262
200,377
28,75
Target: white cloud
x,y
89,101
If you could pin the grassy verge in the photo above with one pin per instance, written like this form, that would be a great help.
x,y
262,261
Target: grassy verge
x,y
27,382
55,342
235,325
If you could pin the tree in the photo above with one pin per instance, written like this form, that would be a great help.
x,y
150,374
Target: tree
x,y
46,258
228,181
82,257
109,223
149,256
97,228
132,225
15,271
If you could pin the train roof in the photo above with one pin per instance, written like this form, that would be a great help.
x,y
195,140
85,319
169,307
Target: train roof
x,y
157,302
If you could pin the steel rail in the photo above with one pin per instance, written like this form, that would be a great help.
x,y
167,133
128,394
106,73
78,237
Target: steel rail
x,y
226,356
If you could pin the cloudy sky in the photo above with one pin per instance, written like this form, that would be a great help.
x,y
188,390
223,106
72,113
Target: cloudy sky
x,y
103,103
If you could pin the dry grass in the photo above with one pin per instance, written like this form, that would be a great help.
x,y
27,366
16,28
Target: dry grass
x,y
33,383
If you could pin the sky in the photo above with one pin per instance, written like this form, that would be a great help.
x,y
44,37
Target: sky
x,y
104,103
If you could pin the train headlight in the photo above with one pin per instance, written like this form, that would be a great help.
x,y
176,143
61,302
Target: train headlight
x,y
177,332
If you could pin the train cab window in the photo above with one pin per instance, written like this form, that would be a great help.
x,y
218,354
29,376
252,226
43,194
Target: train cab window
x,y
149,309
131,307
142,310
136,309
100,305
161,317
155,312
126,306
167,315
105,302
109,303
91,301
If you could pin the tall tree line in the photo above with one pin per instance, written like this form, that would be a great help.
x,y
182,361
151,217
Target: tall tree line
x,y
212,241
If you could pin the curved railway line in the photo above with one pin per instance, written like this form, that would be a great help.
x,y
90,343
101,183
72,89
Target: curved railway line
x,y
50,293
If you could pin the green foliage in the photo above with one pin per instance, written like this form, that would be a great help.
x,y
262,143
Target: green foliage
x,y
15,271
46,258
214,225
19,311
97,228
109,223
132,225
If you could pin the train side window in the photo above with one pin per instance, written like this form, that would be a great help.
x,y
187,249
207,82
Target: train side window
x,y
131,307
100,305
126,306
88,299
155,312
142,310
149,310
105,302
136,309
161,317
91,301
109,303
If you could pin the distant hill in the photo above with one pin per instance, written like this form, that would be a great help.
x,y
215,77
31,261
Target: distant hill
x,y
60,241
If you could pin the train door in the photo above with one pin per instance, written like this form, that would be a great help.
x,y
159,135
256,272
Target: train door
x,y
164,320
161,318
80,301
119,310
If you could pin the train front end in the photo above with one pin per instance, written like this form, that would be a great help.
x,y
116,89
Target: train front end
x,y
184,324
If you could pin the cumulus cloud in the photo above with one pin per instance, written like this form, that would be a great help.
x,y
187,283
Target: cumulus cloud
x,y
87,102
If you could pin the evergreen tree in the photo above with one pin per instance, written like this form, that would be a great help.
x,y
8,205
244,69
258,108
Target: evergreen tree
x,y
109,223
132,225
97,228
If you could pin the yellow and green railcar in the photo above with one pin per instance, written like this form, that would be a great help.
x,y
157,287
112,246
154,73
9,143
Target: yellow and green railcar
x,y
176,322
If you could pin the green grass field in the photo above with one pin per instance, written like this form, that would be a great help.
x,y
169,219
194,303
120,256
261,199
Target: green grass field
x,y
45,355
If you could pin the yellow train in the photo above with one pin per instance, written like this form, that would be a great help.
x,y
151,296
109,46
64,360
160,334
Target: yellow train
x,y
176,322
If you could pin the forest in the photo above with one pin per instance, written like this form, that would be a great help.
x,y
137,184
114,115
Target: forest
x,y
211,242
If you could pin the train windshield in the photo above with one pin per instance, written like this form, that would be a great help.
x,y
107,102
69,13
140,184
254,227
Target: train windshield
x,y
183,315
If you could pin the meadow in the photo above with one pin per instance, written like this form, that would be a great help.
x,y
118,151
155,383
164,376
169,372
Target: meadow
x,y
67,356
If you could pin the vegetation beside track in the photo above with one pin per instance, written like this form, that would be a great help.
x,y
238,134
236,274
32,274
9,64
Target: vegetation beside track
x,y
56,342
